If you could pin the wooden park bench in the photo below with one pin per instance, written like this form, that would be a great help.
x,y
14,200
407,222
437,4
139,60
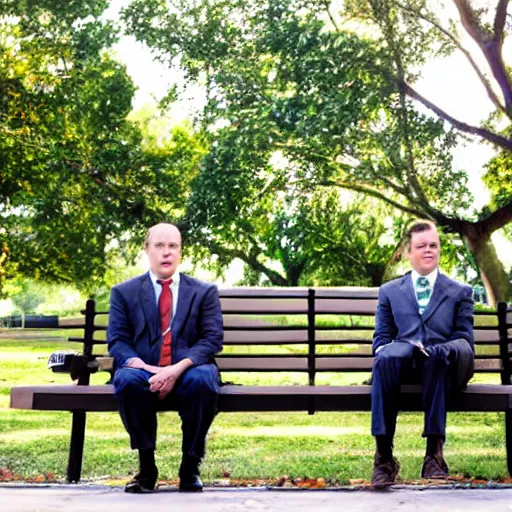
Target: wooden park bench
x,y
303,331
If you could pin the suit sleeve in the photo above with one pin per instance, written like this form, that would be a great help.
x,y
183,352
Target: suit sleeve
x,y
119,331
463,321
211,333
385,327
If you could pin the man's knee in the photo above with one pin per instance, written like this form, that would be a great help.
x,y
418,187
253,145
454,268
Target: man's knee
x,y
130,380
439,356
200,381
393,354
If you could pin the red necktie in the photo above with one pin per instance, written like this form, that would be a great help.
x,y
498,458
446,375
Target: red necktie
x,y
165,308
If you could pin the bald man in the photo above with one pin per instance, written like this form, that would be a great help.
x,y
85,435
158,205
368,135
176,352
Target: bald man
x,y
164,330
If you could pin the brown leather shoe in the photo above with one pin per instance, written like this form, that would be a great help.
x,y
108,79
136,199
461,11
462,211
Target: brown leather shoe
x,y
385,471
434,467
141,485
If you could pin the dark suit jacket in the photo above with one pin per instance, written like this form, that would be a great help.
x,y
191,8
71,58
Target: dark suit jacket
x,y
448,316
134,322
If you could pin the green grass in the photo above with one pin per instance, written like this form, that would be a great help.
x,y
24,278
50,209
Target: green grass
x,y
335,446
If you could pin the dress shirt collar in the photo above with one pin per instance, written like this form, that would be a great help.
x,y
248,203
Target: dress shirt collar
x,y
175,279
431,277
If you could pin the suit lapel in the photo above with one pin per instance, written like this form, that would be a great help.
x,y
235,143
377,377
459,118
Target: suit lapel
x,y
407,289
149,306
185,298
438,296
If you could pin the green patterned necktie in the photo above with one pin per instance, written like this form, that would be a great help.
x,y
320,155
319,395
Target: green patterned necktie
x,y
423,293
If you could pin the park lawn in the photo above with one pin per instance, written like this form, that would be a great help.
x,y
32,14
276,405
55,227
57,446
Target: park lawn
x,y
256,446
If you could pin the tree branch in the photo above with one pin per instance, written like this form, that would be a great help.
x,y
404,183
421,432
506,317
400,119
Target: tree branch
x,y
274,277
469,22
340,165
327,6
499,21
483,79
490,45
489,136
498,219
374,193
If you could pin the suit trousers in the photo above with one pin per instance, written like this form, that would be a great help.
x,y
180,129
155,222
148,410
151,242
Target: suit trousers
x,y
448,368
194,396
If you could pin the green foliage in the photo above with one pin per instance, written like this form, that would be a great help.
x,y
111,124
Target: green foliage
x,y
292,110
25,295
498,178
65,138
79,183
295,106
284,237
283,80
44,298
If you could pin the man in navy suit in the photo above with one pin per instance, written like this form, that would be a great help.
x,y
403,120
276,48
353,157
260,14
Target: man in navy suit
x,y
423,334
156,363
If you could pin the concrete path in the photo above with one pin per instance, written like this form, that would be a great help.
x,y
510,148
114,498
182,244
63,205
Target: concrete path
x,y
78,498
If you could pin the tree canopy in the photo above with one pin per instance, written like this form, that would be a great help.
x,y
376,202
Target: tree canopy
x,y
305,99
77,176
332,94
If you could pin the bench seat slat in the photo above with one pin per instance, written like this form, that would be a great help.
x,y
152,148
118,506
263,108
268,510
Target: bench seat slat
x,y
477,397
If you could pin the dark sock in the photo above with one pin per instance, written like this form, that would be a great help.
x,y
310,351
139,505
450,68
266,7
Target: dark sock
x,y
384,446
433,443
147,462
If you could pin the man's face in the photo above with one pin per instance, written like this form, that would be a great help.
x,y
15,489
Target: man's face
x,y
424,251
164,250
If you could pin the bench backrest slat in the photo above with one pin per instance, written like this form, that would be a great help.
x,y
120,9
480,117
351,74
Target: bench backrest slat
x,y
318,330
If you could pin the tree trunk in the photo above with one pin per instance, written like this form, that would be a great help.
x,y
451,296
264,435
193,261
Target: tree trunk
x,y
493,273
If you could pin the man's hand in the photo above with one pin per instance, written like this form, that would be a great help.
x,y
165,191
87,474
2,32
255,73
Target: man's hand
x,y
136,362
421,348
164,381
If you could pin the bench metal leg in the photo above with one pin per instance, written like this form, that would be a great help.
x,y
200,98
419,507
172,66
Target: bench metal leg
x,y
508,439
76,447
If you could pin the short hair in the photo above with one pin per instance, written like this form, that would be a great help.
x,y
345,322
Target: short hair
x,y
148,232
417,226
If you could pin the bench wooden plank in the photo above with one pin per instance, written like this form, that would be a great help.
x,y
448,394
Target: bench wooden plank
x,y
255,337
346,306
263,364
347,292
254,292
477,397
267,335
269,306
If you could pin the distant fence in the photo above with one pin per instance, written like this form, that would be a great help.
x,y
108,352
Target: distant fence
x,y
30,321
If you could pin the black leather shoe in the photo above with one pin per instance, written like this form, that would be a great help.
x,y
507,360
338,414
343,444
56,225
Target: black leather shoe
x,y
191,483
141,485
